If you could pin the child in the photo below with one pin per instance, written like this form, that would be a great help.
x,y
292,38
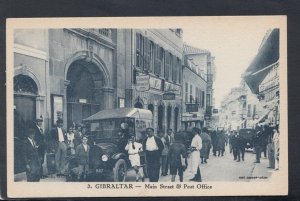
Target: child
x,y
82,157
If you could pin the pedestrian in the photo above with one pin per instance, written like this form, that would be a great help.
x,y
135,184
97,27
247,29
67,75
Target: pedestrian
x,y
177,157
134,148
257,143
77,135
164,154
234,144
196,146
32,158
82,157
214,142
276,147
264,140
169,141
241,145
153,147
41,143
230,140
206,143
221,140
59,139
70,142
270,147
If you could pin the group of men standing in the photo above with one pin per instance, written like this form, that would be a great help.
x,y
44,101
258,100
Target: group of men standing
x,y
35,148
171,149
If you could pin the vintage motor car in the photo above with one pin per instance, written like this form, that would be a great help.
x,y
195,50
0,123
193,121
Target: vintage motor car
x,y
108,133
247,134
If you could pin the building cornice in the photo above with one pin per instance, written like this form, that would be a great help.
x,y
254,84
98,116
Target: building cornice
x,y
29,51
107,42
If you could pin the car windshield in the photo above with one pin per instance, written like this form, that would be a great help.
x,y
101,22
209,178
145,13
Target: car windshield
x,y
107,128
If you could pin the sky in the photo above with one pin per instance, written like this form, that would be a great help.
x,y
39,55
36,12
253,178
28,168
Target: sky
x,y
234,45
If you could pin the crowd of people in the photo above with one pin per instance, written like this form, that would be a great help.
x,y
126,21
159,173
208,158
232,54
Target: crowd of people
x,y
60,144
170,148
265,140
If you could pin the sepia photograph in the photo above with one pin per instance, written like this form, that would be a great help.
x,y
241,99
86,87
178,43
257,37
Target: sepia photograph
x,y
147,106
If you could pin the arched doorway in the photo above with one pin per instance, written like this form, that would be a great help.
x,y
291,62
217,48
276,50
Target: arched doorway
x,y
151,108
83,95
169,114
25,93
160,117
138,105
176,119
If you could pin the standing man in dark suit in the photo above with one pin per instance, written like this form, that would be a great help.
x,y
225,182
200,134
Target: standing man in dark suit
x,y
32,159
153,147
82,157
40,141
59,139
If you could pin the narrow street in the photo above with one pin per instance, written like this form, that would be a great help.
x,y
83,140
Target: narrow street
x,y
225,169
218,169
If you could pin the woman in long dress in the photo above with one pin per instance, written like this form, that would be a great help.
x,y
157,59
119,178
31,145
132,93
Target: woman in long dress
x,y
196,146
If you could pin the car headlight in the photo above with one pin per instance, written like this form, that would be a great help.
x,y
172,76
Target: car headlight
x,y
104,157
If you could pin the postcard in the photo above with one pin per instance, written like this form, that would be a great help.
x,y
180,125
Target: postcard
x,y
147,106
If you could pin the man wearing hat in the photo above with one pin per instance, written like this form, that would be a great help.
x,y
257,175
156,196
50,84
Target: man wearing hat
x,y
31,156
40,141
59,139
153,147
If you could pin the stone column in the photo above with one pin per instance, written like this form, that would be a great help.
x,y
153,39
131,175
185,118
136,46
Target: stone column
x,y
172,121
65,112
107,97
165,118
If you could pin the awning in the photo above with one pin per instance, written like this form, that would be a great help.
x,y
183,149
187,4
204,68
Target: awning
x,y
261,117
121,113
263,61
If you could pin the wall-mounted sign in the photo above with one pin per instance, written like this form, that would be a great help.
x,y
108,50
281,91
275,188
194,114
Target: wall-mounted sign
x,y
142,83
172,88
155,83
169,96
82,100
121,102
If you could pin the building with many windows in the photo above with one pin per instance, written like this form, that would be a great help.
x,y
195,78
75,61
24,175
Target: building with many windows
x,y
197,85
156,55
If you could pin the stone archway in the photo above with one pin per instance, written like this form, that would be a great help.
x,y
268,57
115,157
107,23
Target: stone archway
x,y
86,91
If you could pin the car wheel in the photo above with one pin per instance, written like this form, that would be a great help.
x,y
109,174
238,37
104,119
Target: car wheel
x,y
120,171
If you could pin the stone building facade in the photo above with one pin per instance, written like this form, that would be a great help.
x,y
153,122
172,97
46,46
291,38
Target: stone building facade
x,y
194,86
157,54
69,74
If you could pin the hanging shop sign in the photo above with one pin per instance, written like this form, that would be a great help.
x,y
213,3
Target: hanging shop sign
x,y
155,83
169,96
172,88
142,83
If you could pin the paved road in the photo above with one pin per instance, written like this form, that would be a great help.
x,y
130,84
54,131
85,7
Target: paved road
x,y
217,169
226,169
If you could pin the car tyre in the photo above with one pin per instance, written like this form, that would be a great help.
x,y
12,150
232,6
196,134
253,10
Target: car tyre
x,y
120,171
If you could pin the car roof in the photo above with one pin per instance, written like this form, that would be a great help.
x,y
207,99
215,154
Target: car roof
x,y
121,113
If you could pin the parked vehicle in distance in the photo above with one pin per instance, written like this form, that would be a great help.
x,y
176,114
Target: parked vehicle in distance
x,y
108,133
247,134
